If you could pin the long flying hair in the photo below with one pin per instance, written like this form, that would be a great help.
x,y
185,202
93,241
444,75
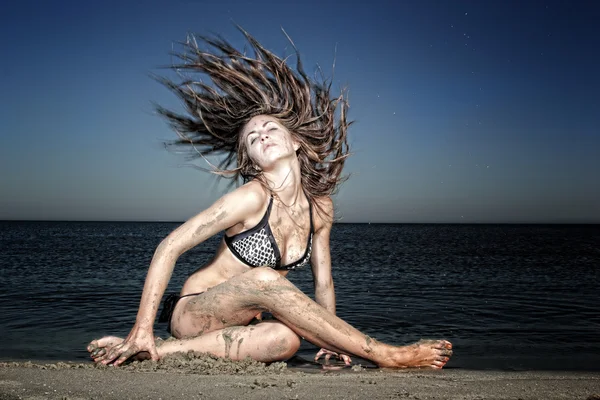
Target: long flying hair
x,y
243,86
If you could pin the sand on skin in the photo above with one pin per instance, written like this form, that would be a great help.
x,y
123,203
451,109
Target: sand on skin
x,y
190,376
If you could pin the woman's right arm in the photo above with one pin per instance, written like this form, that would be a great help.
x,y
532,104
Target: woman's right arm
x,y
228,211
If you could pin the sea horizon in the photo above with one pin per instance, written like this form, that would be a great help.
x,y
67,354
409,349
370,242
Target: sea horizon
x,y
549,223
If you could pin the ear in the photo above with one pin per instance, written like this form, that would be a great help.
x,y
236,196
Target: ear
x,y
296,144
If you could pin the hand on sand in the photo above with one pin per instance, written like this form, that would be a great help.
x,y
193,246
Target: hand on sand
x,y
328,353
115,351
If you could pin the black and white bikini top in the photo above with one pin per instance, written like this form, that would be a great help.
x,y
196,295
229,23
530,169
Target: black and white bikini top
x,y
257,247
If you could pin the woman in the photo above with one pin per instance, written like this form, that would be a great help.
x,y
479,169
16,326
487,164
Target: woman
x,y
279,127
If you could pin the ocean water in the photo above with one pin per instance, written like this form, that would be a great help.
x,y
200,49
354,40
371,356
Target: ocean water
x,y
509,297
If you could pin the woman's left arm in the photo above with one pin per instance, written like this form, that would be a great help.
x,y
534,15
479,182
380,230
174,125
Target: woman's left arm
x,y
321,269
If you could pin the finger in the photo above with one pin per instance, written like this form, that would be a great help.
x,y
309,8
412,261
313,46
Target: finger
x,y
327,357
154,354
98,353
347,359
125,356
319,354
121,359
114,353
100,360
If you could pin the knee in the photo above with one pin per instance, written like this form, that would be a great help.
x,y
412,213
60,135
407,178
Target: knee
x,y
283,342
263,274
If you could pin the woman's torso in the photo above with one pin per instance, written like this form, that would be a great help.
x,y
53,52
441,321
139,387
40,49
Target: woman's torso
x,y
290,229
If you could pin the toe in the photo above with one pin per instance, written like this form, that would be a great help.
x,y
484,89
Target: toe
x,y
93,346
446,352
109,341
102,342
443,344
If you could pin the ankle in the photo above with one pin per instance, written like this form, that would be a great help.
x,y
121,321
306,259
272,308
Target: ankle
x,y
377,351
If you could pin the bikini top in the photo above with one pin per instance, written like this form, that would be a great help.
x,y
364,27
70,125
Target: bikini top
x,y
257,247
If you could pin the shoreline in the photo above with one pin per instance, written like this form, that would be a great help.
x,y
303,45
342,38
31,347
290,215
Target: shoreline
x,y
202,377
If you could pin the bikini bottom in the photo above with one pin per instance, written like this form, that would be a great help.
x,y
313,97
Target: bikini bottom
x,y
169,305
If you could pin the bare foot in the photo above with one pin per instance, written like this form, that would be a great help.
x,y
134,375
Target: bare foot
x,y
422,354
100,347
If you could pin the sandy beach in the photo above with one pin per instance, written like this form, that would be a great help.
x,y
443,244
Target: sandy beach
x,y
206,378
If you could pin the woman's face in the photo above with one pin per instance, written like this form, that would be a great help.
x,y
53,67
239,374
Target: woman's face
x,y
267,141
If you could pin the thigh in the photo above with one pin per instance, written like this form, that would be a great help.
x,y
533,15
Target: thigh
x,y
219,307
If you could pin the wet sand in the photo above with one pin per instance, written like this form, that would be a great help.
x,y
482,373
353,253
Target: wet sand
x,y
201,377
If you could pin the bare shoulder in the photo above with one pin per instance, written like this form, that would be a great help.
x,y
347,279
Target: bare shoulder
x,y
323,213
247,202
251,196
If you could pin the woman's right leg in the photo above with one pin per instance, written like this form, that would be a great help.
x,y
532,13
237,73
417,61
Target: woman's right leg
x,y
237,300
266,342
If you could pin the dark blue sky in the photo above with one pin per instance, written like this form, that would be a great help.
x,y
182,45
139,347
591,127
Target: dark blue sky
x,y
466,111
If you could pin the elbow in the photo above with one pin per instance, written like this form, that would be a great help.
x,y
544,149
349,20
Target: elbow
x,y
324,284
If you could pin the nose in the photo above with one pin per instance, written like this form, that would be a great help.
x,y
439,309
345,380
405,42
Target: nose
x,y
264,135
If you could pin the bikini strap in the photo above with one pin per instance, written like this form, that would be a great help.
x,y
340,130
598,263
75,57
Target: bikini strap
x,y
268,213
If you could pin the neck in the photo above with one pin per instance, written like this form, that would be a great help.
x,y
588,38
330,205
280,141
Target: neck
x,y
285,181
